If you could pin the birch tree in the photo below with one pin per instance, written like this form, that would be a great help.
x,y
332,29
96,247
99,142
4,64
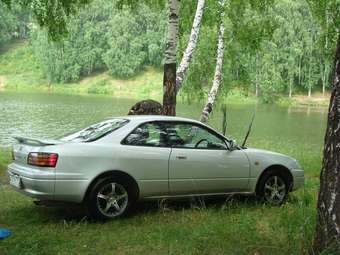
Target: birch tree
x,y
218,69
169,79
188,53
173,79
328,208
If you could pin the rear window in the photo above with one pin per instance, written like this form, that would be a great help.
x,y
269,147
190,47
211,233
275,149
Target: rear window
x,y
95,131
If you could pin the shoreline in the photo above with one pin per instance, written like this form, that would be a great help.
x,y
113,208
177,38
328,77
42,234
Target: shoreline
x,y
78,90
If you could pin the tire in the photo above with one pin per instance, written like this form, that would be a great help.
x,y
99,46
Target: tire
x,y
273,188
110,198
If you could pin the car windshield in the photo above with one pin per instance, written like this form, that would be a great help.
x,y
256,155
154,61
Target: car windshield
x,y
95,131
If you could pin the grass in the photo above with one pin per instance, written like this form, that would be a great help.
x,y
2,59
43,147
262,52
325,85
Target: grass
x,y
233,225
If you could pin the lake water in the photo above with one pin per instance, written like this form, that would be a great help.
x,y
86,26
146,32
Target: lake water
x,y
51,115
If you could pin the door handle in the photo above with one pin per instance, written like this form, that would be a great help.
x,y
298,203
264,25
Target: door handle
x,y
181,157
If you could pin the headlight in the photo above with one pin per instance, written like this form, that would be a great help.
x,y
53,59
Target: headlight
x,y
297,164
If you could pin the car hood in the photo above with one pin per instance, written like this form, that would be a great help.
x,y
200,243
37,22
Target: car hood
x,y
271,157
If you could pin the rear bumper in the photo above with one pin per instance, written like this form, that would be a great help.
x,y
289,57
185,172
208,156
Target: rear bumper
x,y
298,178
34,182
43,184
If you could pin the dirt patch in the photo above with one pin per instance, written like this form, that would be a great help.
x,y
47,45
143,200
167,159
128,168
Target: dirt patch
x,y
317,99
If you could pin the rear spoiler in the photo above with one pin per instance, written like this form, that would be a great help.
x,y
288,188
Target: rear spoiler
x,y
37,142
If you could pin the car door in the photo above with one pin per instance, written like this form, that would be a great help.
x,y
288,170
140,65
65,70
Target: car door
x,y
146,155
200,162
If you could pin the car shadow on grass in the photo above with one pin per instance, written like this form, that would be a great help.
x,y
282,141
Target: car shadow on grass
x,y
79,213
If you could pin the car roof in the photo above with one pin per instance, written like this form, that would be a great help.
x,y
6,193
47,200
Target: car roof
x,y
143,118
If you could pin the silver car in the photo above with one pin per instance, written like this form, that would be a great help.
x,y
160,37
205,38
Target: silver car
x,y
112,164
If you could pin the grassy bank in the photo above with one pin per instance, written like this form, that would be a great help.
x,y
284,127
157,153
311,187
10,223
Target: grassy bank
x,y
219,226
19,71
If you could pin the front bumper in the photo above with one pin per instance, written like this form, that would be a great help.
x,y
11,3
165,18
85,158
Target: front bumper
x,y
298,178
36,183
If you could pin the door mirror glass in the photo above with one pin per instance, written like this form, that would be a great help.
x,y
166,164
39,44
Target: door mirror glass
x,y
232,145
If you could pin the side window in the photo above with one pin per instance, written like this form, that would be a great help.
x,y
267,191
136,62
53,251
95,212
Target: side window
x,y
148,134
186,135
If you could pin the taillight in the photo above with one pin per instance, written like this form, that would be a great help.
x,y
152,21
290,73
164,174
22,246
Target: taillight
x,y
42,159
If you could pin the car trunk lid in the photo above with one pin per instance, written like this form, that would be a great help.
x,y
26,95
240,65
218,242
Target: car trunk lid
x,y
26,145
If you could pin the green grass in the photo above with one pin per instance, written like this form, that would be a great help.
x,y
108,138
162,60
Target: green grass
x,y
219,226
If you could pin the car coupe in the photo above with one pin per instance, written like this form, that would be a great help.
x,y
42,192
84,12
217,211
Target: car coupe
x,y
112,164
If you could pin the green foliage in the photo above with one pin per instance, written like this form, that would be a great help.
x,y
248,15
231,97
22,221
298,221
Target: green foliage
x,y
51,14
101,37
293,59
134,39
275,47
11,62
14,23
99,87
202,66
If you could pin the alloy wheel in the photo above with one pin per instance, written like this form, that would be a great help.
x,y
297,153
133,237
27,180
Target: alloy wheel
x,y
112,200
275,190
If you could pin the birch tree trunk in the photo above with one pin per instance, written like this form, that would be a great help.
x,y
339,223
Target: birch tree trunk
x,y
309,82
169,78
218,70
183,66
324,77
172,80
300,63
328,208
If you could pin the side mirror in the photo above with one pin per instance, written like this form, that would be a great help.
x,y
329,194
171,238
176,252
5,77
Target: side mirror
x,y
232,145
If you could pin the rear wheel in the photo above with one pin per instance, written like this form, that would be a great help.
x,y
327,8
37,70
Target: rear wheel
x,y
110,198
273,188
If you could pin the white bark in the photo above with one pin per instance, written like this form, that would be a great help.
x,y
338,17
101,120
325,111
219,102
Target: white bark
x,y
183,66
290,87
172,34
324,78
218,71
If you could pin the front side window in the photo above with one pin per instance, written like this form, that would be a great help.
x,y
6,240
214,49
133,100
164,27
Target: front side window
x,y
96,131
187,135
148,134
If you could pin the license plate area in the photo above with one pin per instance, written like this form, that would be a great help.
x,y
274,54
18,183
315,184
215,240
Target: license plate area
x,y
15,180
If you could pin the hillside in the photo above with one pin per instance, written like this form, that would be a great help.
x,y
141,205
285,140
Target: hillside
x,y
20,71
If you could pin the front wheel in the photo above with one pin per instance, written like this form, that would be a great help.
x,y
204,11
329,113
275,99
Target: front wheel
x,y
273,189
110,198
